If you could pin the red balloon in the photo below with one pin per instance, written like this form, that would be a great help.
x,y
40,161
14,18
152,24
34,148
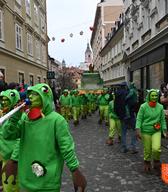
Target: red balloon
x,y
91,28
62,40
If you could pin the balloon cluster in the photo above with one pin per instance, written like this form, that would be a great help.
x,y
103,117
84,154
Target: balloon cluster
x,y
71,35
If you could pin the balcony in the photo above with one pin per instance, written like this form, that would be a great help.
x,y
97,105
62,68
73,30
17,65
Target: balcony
x,y
3,2
134,9
140,25
127,21
130,35
145,3
153,12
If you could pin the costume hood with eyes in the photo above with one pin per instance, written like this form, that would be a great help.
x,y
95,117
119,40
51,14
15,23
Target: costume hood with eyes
x,y
148,116
45,143
149,93
9,149
12,95
46,96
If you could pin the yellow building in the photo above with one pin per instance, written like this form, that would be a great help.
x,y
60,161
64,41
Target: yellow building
x,y
23,40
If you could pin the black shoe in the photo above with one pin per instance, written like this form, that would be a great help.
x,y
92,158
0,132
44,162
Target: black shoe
x,y
134,151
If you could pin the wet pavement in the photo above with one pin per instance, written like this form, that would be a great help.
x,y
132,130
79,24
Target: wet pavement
x,y
105,167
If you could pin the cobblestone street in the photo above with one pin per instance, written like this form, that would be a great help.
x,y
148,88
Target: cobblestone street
x,y
105,167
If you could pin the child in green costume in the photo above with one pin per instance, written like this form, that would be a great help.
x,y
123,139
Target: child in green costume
x,y
150,124
9,149
45,144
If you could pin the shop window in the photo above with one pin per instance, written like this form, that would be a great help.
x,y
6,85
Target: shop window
x,y
156,75
137,78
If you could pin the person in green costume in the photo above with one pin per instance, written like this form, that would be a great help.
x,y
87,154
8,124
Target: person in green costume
x,y
45,144
65,102
9,149
114,123
150,123
76,105
103,102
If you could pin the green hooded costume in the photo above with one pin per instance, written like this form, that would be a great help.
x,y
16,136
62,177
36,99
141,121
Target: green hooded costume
x,y
9,149
151,122
45,144
148,116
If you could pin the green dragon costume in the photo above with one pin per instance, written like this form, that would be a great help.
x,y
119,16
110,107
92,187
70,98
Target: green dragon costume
x,y
9,149
45,143
151,122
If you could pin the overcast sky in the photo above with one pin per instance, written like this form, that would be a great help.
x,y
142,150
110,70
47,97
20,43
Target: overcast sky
x,y
65,17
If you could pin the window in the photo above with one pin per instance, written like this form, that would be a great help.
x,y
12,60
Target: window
x,y
28,7
18,32
29,44
36,15
3,72
38,79
43,26
31,78
137,78
43,53
19,2
156,76
166,7
1,25
21,77
37,45
44,80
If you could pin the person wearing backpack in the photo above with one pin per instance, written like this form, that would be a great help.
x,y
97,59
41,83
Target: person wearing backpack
x,y
126,116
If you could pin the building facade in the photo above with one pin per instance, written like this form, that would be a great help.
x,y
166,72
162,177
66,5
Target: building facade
x,y
54,70
23,41
146,42
107,13
113,66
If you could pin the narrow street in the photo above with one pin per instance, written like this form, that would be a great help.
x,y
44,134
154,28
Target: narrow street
x,y
105,167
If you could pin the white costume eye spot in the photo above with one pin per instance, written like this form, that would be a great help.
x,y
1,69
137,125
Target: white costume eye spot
x,y
12,94
45,89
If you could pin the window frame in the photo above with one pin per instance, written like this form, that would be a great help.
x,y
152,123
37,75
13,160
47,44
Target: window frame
x,y
29,44
21,77
18,37
31,79
36,14
37,47
38,79
1,25
28,7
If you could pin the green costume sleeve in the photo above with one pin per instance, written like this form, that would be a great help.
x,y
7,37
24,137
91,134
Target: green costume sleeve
x,y
11,129
139,118
15,153
66,144
163,121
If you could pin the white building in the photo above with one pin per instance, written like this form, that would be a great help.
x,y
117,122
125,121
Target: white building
x,y
113,67
146,41
106,14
